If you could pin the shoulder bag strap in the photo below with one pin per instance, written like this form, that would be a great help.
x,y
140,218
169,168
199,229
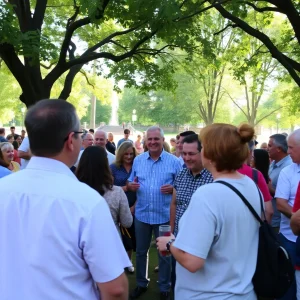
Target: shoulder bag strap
x,y
257,217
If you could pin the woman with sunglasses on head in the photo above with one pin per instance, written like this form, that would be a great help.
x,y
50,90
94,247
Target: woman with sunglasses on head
x,y
121,170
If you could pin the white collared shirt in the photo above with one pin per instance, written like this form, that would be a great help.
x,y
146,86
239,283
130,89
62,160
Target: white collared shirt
x,y
57,235
25,147
286,188
111,158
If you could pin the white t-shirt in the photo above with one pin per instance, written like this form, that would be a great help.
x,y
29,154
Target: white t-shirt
x,y
25,147
111,158
286,188
218,227
57,235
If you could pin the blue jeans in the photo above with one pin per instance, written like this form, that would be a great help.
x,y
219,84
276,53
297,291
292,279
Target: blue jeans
x,y
143,234
290,247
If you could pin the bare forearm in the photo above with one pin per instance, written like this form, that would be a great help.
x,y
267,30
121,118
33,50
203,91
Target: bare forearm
x,y
24,155
284,208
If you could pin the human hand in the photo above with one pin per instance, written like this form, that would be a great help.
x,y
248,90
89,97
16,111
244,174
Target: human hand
x,y
161,242
133,186
166,189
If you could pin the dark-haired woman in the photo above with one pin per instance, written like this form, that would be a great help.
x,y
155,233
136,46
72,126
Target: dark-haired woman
x,y
93,169
217,242
121,170
261,161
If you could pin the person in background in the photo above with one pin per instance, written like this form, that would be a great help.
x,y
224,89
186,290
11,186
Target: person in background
x,y
2,135
217,242
173,145
19,140
121,170
16,157
261,162
93,169
126,138
277,149
264,146
92,131
101,141
285,195
7,154
12,132
23,133
182,135
166,147
10,138
138,144
110,145
24,152
87,140
260,181
63,243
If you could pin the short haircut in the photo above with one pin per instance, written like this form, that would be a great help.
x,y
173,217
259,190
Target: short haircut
x,y
102,131
5,146
120,153
48,123
12,127
10,136
186,133
126,131
226,145
296,135
92,130
153,128
2,130
193,138
172,140
280,141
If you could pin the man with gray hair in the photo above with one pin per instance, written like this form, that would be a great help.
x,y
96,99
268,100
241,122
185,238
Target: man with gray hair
x,y
101,140
285,194
152,177
277,148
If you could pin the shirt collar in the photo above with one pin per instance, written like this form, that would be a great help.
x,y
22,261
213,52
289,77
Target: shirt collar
x,y
161,157
197,175
279,163
49,164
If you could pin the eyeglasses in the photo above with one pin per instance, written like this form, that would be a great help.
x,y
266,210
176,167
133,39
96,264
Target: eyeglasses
x,y
75,132
190,153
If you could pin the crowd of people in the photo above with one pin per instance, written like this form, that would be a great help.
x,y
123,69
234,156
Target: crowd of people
x,y
71,219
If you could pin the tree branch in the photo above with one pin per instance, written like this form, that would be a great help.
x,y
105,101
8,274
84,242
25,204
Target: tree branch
x,y
39,14
48,67
269,114
22,10
262,9
264,39
225,28
236,104
86,78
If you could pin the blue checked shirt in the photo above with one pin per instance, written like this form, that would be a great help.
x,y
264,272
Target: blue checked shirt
x,y
185,185
152,206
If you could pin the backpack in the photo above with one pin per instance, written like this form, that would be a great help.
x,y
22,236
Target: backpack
x,y
274,272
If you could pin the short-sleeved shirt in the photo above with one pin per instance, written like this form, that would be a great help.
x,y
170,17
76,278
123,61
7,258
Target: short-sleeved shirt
x,y
219,228
261,182
3,139
123,140
120,179
152,206
286,188
25,147
274,170
185,185
58,233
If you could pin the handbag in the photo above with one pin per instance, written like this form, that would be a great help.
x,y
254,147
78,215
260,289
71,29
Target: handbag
x,y
274,272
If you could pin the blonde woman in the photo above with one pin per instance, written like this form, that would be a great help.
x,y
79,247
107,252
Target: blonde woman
x,y
7,155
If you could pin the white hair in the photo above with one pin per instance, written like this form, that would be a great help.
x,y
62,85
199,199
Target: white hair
x,y
153,128
5,146
102,131
296,135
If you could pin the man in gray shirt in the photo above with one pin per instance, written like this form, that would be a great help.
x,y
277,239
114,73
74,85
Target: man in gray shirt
x,y
277,148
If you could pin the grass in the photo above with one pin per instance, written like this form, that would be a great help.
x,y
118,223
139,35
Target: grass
x,y
153,289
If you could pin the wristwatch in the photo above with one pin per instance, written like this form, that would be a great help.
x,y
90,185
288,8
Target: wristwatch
x,y
169,244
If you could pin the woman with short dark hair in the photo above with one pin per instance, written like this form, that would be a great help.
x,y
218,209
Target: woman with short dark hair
x,y
261,161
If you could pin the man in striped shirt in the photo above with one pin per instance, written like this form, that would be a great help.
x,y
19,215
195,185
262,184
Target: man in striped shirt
x,y
152,177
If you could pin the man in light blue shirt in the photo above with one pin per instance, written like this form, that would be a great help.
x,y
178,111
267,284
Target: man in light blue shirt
x,y
277,148
152,177
125,139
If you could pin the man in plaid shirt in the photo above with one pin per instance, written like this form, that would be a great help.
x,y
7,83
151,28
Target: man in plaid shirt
x,y
186,183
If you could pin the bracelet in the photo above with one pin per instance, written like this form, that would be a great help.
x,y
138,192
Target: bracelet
x,y
169,244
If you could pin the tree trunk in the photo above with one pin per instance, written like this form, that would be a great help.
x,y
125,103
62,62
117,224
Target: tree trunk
x,y
93,112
